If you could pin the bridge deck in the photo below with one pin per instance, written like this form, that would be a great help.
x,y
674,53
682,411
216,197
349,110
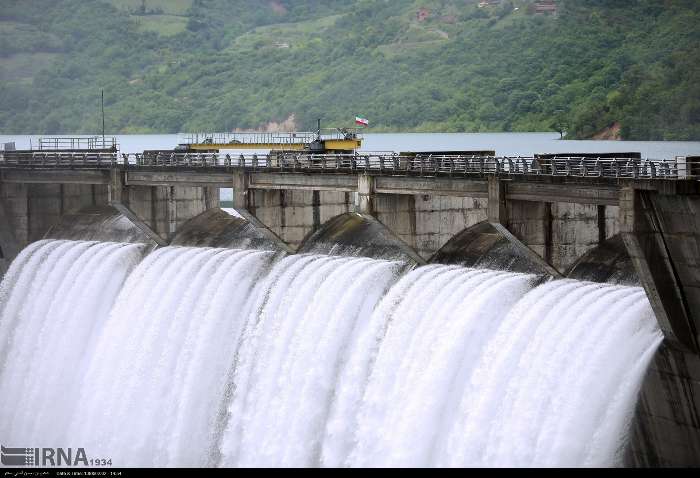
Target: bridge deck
x,y
370,163
566,179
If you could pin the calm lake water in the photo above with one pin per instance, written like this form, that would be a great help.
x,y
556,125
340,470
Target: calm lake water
x,y
505,144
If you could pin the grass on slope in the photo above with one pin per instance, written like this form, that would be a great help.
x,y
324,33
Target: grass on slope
x,y
292,34
169,7
169,20
164,25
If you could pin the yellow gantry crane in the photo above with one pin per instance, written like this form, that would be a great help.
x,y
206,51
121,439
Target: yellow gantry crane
x,y
336,140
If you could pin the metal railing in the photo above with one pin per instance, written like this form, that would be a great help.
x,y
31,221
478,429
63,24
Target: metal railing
x,y
433,165
58,160
76,143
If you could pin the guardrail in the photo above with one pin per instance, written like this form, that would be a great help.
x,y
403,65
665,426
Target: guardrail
x,y
431,165
66,143
373,163
58,160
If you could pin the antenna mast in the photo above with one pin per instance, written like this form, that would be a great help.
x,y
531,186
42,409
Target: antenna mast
x,y
103,117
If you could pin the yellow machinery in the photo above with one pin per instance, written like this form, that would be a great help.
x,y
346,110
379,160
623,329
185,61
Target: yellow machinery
x,y
322,141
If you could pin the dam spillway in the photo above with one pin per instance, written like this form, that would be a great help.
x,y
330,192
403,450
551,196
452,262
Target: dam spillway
x,y
214,357
620,219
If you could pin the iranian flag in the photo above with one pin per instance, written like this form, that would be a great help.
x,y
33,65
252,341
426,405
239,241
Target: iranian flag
x,y
361,121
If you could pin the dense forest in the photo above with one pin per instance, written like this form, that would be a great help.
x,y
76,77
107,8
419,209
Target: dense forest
x,y
625,68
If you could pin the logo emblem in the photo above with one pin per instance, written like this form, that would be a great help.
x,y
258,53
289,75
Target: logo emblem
x,y
17,456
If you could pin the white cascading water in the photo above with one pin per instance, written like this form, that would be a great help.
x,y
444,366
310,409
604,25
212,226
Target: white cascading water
x,y
291,354
54,302
153,395
212,357
549,381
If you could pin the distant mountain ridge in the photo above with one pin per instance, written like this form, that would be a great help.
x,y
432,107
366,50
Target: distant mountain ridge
x,y
579,66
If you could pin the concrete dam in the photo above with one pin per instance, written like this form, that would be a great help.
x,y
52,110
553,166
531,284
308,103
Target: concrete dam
x,y
357,310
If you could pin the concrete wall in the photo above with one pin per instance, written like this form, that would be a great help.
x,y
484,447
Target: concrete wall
x,y
578,228
33,208
679,223
292,214
666,428
166,208
426,223
662,236
29,210
558,232
531,222
439,218
16,205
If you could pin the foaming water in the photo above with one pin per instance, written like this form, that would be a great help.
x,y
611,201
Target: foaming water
x,y
55,300
212,357
152,396
434,337
292,354
556,385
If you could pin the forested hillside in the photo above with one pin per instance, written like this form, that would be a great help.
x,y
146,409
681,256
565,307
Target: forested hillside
x,y
406,65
